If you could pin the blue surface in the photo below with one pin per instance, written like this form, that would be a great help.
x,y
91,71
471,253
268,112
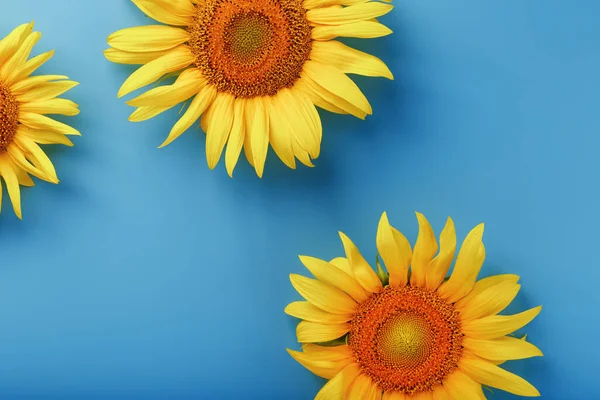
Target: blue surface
x,y
144,275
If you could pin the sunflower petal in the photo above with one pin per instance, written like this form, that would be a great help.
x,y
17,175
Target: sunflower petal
x,y
349,60
280,133
199,105
395,251
312,332
484,284
170,12
424,251
468,264
496,326
43,123
491,301
257,131
132,58
12,184
219,119
502,349
324,296
45,91
308,312
328,273
355,13
326,362
491,375
177,59
336,388
439,266
52,106
13,41
361,30
364,274
363,388
31,65
148,38
237,136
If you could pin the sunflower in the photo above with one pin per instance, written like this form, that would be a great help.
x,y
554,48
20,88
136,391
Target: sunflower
x,y
254,69
411,332
24,100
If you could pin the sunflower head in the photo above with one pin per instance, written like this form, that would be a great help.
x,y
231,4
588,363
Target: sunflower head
x,y
410,332
253,71
24,102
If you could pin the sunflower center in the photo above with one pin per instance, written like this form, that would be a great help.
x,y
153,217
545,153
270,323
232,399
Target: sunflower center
x,y
407,339
250,48
9,117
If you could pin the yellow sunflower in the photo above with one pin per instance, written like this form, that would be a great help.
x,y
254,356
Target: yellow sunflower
x,y
410,333
24,100
255,69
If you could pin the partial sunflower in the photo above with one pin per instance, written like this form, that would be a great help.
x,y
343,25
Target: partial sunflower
x,y
410,333
255,69
24,100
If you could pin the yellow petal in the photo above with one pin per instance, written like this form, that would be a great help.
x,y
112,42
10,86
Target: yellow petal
x,y
363,272
43,123
312,332
361,30
199,104
145,113
301,154
45,91
319,101
460,386
359,12
24,178
176,59
237,135
439,393
31,82
13,41
280,134
324,296
336,82
188,83
170,12
42,137
18,159
148,38
257,131
439,266
491,301
421,396
39,158
328,273
499,325
336,388
310,4
363,388
219,119
425,248
12,184
349,60
326,362
395,251
308,312
491,375
501,349
394,396
303,120
126,57
343,264
9,72
52,106
30,66
484,284
468,264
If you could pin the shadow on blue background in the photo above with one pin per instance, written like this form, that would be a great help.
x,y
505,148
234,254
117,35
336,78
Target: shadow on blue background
x,y
144,275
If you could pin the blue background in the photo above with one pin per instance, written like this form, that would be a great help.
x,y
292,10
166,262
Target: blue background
x,y
144,275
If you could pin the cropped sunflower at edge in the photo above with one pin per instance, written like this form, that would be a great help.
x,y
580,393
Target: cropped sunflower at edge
x,y
24,101
253,69
408,331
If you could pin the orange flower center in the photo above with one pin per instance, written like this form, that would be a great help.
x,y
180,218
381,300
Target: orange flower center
x,y
9,117
406,339
250,48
